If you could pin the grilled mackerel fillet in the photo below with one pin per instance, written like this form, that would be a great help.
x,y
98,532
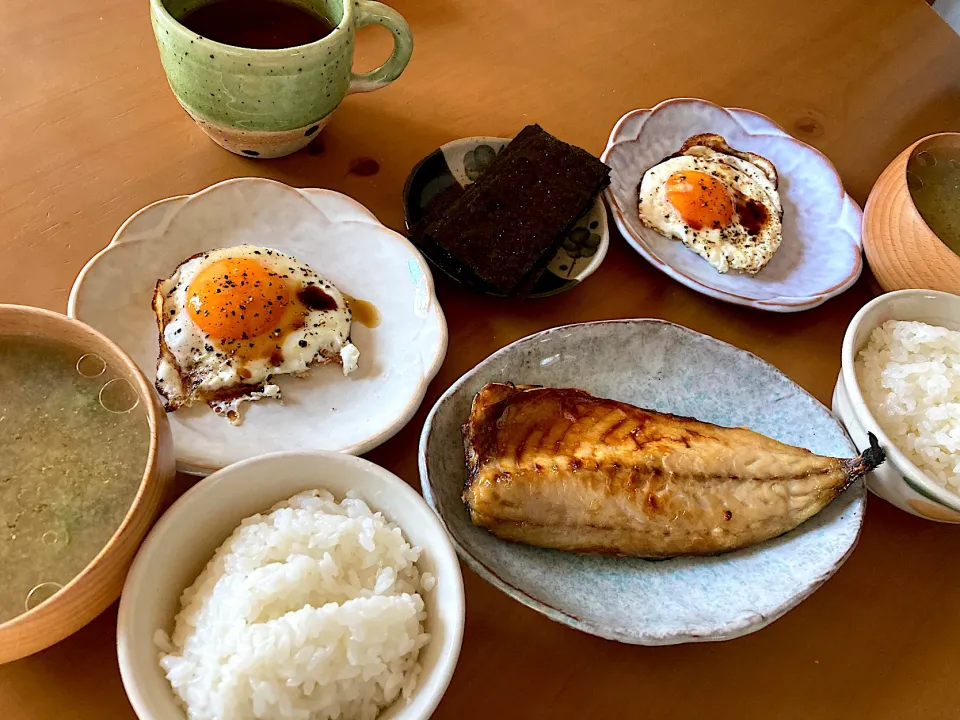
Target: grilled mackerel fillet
x,y
563,469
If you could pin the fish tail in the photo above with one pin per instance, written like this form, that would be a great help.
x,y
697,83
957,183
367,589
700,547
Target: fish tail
x,y
868,460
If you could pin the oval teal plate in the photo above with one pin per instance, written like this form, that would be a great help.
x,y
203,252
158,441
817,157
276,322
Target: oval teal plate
x,y
666,367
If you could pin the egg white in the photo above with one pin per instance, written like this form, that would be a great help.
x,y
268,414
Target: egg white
x,y
192,366
724,248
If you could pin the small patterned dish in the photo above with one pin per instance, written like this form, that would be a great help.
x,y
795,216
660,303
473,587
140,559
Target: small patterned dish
x,y
462,162
820,255
628,599
336,236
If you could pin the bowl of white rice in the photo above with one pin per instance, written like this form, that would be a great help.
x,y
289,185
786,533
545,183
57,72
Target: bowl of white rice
x,y
292,586
900,380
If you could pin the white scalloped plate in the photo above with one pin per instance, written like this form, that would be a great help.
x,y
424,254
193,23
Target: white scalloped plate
x,y
345,243
820,256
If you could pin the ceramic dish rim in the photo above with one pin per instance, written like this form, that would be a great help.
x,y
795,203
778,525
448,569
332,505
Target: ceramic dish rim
x,y
358,448
151,462
781,304
589,270
738,628
391,483
862,411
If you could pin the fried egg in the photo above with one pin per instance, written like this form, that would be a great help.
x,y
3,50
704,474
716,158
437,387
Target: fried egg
x,y
231,320
721,203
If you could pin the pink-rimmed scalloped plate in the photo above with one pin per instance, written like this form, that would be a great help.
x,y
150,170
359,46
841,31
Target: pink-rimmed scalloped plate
x,y
821,252
332,233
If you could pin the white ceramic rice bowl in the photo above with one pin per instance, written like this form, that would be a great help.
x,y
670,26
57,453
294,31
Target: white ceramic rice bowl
x,y
185,538
898,480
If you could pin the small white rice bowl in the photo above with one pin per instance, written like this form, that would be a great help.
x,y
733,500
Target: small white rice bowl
x,y
313,610
909,373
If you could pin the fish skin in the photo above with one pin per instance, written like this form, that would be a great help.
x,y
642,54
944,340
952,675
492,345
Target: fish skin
x,y
562,469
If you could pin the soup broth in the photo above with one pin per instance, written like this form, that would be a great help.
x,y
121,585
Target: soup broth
x,y
74,441
933,178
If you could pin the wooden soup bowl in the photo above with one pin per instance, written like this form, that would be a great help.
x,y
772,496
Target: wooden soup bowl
x,y
901,249
100,582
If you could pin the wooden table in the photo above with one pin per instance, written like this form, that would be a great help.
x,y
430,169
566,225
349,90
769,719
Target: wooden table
x,y
89,133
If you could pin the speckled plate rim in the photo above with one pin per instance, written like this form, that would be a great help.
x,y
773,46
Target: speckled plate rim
x,y
732,630
124,234
600,213
780,304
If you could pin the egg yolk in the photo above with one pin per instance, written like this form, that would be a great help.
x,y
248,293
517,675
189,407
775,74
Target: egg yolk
x,y
236,299
701,199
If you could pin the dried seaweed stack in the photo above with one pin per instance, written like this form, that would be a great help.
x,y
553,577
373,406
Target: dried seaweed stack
x,y
499,235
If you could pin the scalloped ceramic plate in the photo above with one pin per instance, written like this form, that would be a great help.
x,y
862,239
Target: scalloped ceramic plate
x,y
460,162
628,599
339,238
820,255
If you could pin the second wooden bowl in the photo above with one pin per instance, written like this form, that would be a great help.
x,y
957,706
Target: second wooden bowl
x,y
901,249
100,582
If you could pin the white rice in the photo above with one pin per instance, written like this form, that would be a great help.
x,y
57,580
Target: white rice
x,y
909,373
311,611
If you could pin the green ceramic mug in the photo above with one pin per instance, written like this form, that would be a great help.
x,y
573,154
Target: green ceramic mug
x,y
269,103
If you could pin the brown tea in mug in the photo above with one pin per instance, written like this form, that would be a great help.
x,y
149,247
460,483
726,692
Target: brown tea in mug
x,y
258,24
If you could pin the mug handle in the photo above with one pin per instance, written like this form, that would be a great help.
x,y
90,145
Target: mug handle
x,y
369,13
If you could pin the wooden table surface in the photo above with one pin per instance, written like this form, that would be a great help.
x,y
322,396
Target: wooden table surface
x,y
89,133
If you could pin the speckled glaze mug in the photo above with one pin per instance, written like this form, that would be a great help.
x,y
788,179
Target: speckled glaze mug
x,y
270,103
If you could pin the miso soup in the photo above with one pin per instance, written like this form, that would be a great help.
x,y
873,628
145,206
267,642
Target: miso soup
x,y
74,441
933,178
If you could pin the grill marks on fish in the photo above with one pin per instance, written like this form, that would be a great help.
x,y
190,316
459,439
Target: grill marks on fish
x,y
561,468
